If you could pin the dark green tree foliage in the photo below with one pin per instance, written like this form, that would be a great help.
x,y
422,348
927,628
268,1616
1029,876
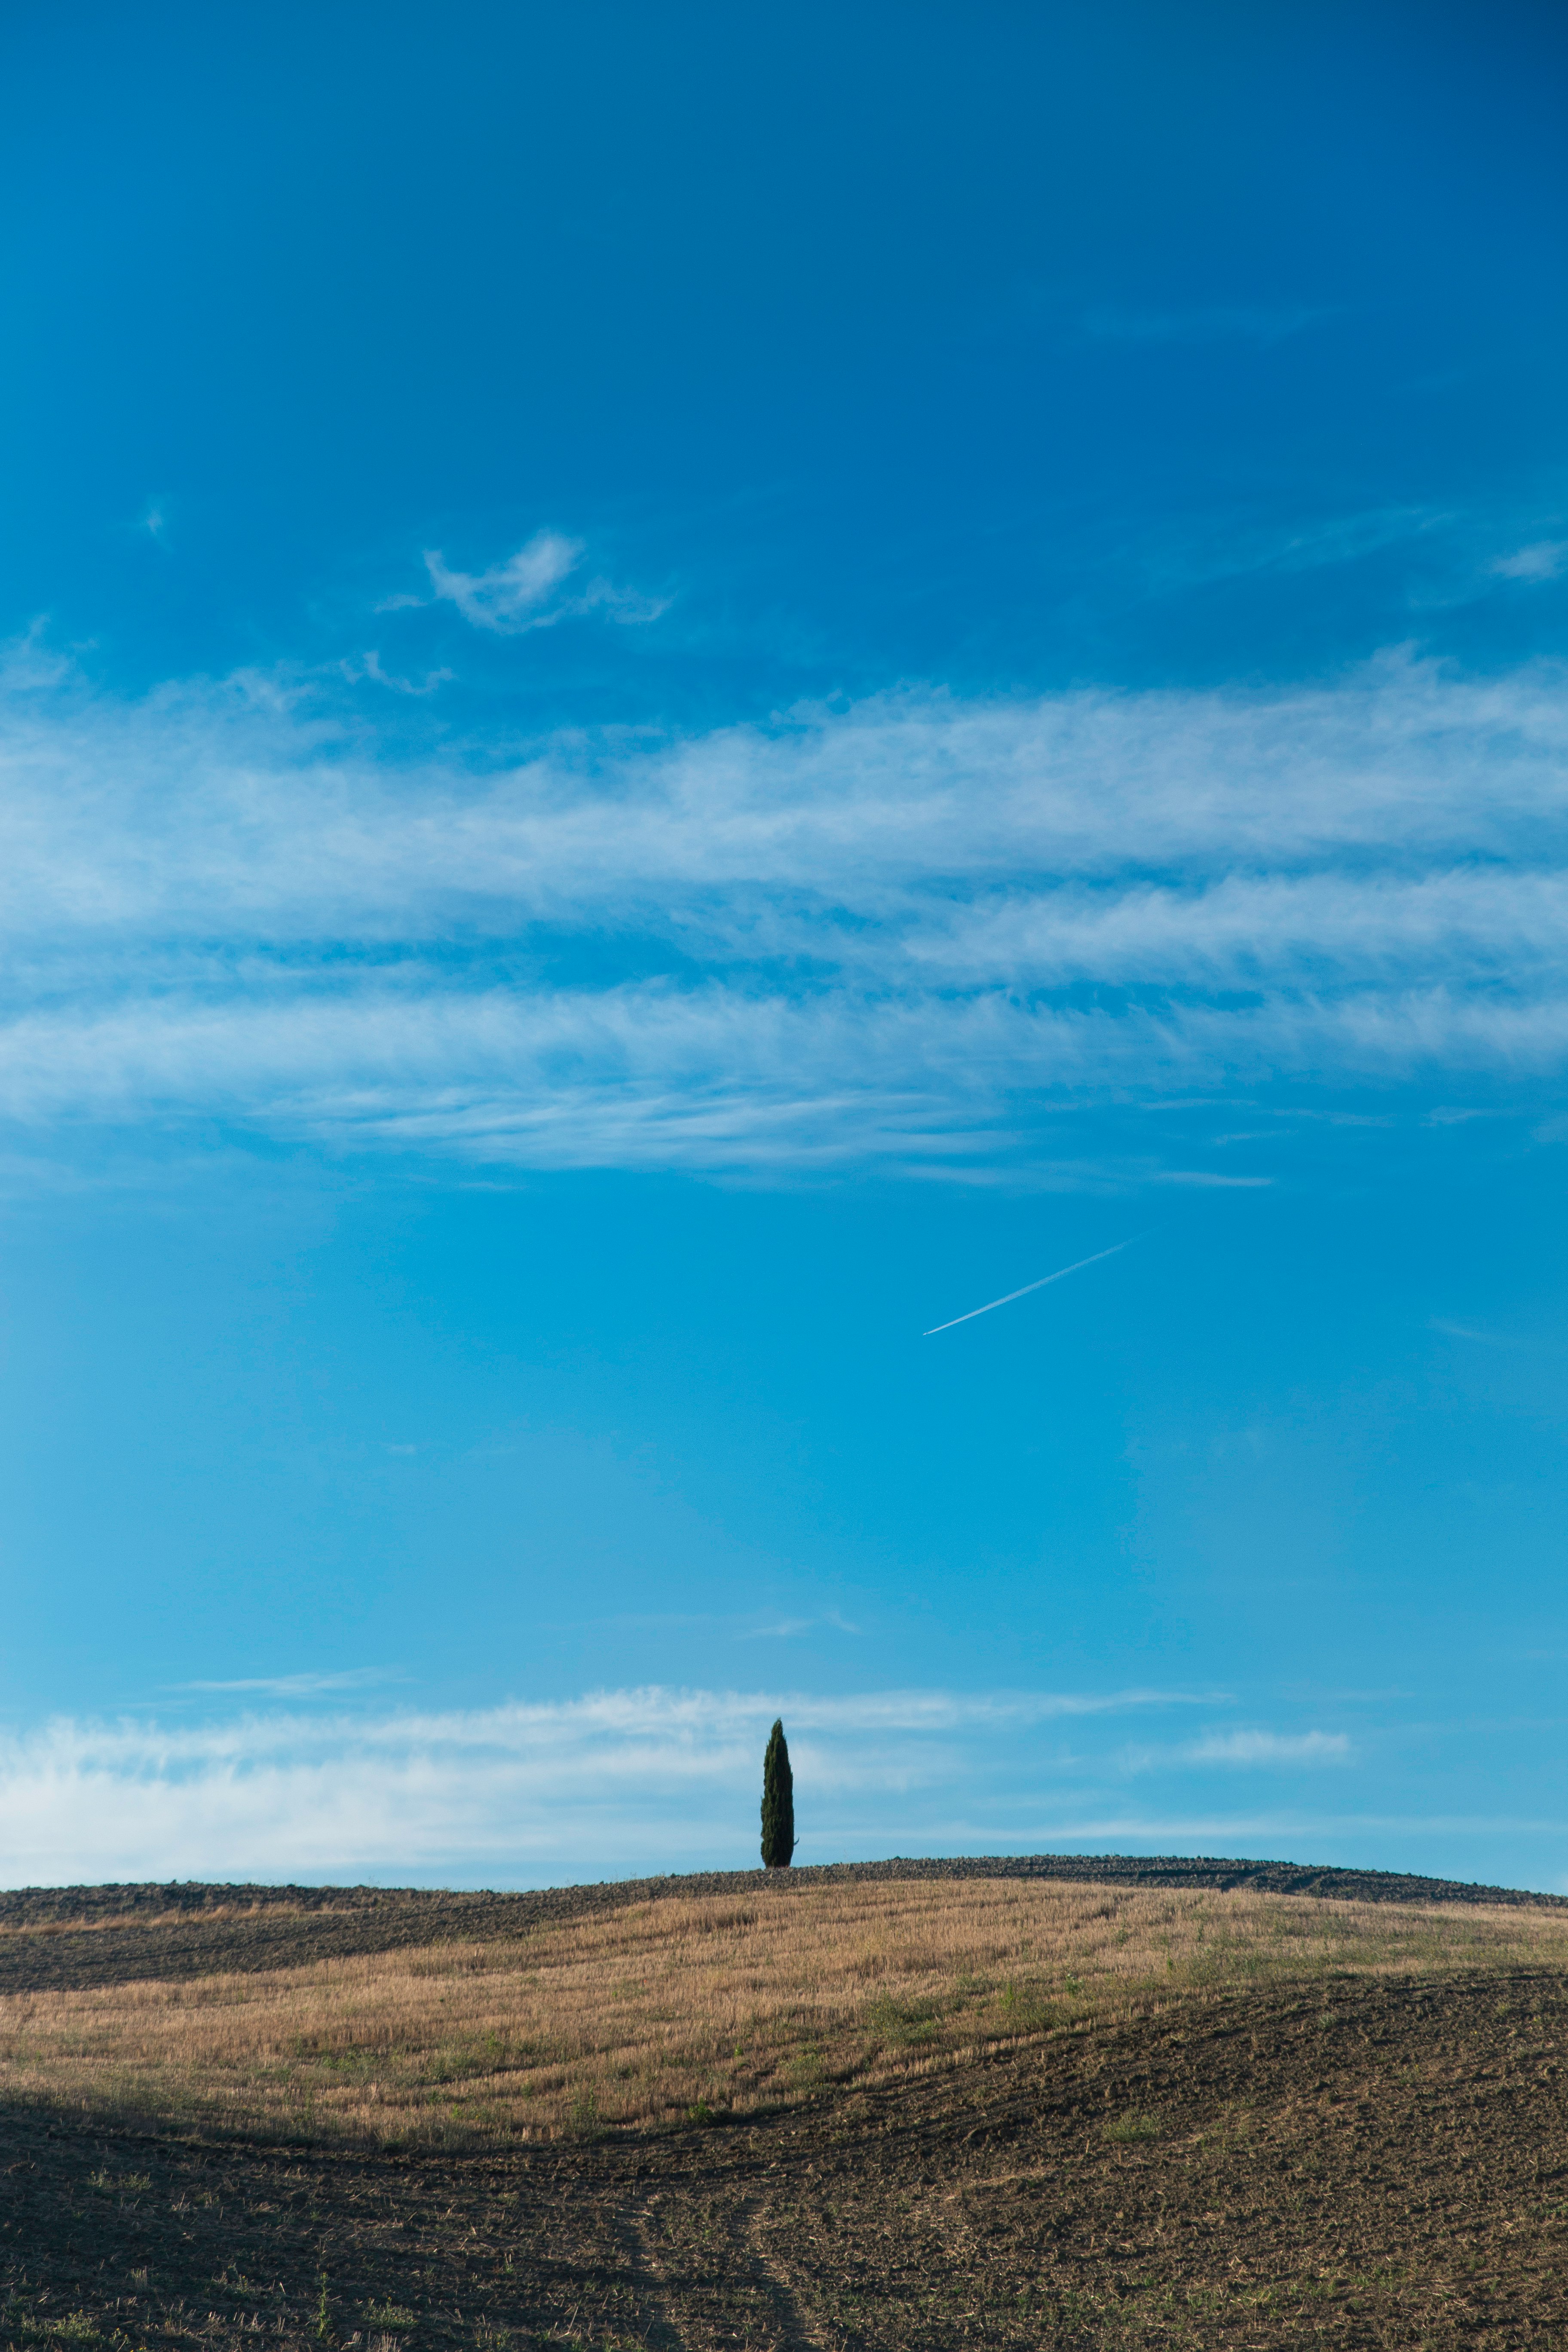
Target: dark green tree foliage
x,y
778,1803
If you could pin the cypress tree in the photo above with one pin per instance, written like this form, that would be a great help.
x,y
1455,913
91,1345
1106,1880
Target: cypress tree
x,y
778,1803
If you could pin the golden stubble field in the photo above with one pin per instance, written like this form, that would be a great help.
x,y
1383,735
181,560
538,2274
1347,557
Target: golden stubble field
x,y
686,2007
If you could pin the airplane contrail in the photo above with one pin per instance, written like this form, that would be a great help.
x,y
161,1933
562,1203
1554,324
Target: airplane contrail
x,y
1061,1274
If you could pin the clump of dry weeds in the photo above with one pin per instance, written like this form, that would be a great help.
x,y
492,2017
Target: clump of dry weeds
x,y
688,2007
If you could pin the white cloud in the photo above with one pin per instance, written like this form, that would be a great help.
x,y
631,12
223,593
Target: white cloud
x,y
511,596
633,1780
1544,559
903,932
1276,1747
787,1628
369,666
521,593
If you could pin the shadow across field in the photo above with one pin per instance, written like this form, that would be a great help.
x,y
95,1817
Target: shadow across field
x,y
1375,2162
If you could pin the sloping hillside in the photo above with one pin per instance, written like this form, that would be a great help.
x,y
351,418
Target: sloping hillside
x,y
866,2111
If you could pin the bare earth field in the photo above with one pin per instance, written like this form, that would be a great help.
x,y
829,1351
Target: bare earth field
x,y
848,2108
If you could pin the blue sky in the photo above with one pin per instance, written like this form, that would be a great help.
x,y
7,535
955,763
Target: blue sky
x,y
684,692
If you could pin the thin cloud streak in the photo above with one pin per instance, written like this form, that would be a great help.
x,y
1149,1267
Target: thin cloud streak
x,y
1270,1748
301,1685
1046,1279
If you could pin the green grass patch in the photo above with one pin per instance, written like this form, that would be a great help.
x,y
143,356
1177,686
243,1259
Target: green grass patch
x,y
1134,2125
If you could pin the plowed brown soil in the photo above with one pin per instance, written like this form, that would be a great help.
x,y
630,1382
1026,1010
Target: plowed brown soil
x,y
1365,2162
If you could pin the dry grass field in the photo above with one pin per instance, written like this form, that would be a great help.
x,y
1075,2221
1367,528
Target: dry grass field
x,y
865,2115
687,2008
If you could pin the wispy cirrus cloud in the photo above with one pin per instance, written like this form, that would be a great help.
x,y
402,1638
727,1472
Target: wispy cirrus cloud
x,y
301,1685
1285,547
369,665
528,589
622,1779
1544,559
1270,1748
900,931
788,1629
